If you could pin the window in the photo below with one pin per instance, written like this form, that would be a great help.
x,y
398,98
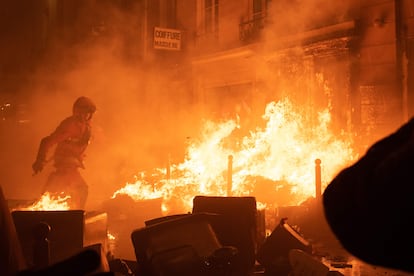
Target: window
x,y
168,14
211,16
251,25
257,8
260,8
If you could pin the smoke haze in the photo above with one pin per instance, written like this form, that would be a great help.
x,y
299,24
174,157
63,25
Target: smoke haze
x,y
139,123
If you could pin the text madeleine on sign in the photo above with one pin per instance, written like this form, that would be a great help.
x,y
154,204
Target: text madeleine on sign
x,y
167,39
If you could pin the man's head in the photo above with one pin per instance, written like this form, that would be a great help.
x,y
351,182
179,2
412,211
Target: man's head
x,y
84,108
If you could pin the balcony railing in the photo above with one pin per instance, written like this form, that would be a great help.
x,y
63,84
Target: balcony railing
x,y
250,30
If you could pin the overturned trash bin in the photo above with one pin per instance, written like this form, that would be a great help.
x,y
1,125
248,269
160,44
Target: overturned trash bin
x,y
273,254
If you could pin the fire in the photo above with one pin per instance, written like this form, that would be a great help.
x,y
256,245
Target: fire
x,y
49,203
275,163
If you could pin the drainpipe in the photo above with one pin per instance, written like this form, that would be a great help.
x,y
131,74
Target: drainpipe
x,y
401,57
145,32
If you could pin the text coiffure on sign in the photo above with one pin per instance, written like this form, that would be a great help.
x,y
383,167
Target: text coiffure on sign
x,y
167,39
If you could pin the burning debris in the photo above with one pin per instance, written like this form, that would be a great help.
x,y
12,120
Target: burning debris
x,y
276,161
275,164
48,202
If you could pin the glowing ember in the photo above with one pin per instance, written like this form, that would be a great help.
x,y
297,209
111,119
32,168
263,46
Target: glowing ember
x,y
49,203
276,160
111,241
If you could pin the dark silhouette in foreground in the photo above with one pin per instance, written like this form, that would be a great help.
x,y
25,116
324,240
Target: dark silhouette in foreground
x,y
13,263
369,205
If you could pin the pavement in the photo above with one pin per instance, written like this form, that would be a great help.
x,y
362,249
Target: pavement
x,y
338,259
328,249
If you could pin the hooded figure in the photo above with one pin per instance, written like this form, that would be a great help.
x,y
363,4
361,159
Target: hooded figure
x,y
71,139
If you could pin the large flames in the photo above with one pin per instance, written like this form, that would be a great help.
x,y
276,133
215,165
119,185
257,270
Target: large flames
x,y
275,163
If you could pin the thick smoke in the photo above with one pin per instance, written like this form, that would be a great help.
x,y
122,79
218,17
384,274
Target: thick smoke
x,y
137,125
140,122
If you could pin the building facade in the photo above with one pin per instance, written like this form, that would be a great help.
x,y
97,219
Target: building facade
x,y
354,57
226,57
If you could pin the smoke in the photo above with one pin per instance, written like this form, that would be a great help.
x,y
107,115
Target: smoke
x,y
292,17
140,122
136,126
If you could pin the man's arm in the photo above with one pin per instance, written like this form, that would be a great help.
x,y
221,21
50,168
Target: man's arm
x,y
62,132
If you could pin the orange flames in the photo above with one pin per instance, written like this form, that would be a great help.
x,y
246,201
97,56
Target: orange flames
x,y
275,163
49,203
